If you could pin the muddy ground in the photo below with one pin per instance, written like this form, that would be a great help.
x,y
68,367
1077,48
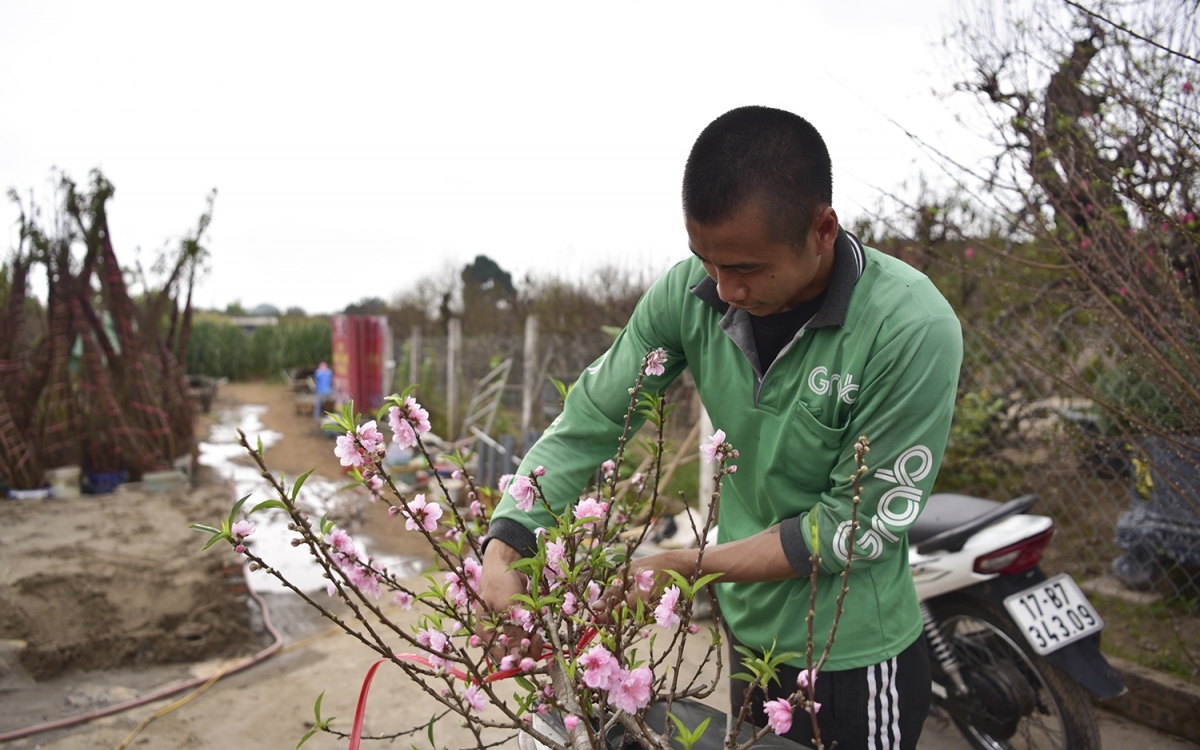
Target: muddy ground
x,y
108,599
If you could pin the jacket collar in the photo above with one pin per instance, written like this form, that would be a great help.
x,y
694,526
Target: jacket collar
x,y
849,262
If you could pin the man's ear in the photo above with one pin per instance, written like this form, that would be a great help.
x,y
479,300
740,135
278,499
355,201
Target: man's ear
x,y
825,225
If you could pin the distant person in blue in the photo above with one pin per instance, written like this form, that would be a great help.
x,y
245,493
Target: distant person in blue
x,y
323,383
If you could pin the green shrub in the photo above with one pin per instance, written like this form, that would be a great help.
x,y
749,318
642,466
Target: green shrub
x,y
219,349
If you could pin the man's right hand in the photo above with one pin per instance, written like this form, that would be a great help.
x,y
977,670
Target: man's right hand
x,y
497,586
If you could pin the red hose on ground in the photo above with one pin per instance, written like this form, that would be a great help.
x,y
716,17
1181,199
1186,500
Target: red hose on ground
x,y
165,692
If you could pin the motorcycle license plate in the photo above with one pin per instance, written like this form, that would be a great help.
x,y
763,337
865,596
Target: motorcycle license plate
x,y
1053,613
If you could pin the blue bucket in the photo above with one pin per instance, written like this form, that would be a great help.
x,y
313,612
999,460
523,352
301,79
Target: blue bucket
x,y
104,482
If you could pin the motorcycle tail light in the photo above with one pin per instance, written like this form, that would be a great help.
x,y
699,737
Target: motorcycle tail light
x,y
1017,558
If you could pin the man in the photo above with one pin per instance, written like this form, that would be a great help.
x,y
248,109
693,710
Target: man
x,y
800,340
323,385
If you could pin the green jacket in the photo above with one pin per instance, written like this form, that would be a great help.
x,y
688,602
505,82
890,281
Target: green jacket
x,y
881,358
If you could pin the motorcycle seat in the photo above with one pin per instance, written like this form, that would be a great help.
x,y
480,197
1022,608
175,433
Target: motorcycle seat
x,y
948,519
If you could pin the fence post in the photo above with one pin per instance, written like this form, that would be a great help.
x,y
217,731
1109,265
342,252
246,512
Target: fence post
x,y
415,355
529,388
453,354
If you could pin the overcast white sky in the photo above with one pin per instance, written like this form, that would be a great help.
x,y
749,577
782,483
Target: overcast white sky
x,y
358,147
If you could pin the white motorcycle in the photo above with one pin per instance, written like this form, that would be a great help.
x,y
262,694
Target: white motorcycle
x,y
1011,651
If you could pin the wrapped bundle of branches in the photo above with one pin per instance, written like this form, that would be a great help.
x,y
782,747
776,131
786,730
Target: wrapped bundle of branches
x,y
126,405
18,459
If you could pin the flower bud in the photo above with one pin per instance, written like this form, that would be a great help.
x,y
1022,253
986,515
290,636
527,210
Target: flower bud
x,y
524,643
393,511
297,542
254,566
503,639
239,549
474,641
693,629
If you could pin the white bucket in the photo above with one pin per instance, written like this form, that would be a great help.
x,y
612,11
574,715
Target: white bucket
x,y
164,481
64,481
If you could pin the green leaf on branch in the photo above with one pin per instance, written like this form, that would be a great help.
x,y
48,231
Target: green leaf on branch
x,y
686,738
217,534
526,565
300,483
267,505
764,667
320,725
562,389
429,731
524,683
227,524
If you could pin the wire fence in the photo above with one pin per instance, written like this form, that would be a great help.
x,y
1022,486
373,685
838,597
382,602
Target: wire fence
x,y
1126,506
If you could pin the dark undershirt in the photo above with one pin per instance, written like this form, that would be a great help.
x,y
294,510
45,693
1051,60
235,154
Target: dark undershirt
x,y
773,332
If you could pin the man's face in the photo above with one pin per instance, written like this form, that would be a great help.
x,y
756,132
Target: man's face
x,y
758,273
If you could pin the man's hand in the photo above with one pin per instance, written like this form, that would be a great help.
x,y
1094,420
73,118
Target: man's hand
x,y
497,586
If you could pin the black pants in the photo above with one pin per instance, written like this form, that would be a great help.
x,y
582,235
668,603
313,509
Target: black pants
x,y
880,707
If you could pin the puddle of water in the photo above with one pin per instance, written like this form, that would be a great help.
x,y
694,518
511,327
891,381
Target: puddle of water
x,y
272,539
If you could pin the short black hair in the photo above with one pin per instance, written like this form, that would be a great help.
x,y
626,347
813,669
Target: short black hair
x,y
758,154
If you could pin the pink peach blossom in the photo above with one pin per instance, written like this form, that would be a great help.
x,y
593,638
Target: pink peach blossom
x,y
475,698
779,715
523,491
422,515
347,451
644,579
590,508
418,416
805,678
631,690
599,667
664,613
655,361
714,447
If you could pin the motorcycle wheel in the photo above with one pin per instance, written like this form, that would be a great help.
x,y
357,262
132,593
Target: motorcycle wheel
x,y
1018,700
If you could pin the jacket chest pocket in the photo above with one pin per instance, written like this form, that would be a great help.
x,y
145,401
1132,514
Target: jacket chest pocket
x,y
811,450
